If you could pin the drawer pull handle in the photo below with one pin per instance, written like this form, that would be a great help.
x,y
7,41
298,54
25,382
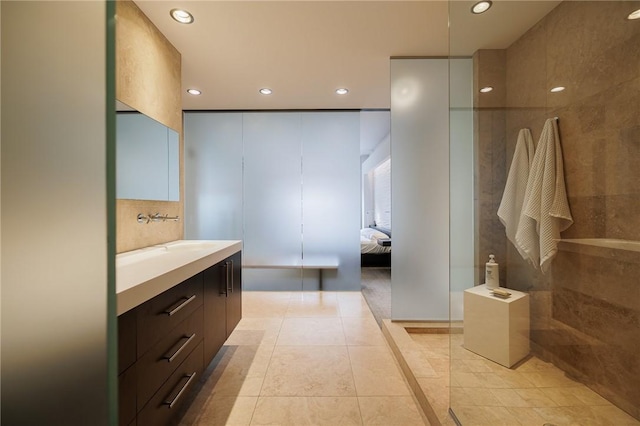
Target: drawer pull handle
x,y
229,265
171,311
184,345
175,399
226,277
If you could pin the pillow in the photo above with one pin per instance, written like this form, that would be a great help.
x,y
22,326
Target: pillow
x,y
372,234
383,230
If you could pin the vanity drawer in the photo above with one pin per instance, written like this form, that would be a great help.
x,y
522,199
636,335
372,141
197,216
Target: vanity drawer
x,y
126,340
165,356
172,395
161,314
127,396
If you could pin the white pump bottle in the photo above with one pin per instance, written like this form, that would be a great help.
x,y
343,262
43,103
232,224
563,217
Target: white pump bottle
x,y
492,273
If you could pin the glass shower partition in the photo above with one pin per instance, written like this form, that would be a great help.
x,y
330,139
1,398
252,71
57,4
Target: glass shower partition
x,y
562,347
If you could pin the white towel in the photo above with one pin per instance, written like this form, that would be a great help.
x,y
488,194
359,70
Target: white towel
x,y
545,200
513,197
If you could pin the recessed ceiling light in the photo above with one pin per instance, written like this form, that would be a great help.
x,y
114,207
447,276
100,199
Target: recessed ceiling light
x,y
266,91
181,16
481,7
194,92
634,15
486,89
557,89
342,91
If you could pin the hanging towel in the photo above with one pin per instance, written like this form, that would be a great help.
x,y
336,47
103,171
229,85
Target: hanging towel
x,y
513,197
545,200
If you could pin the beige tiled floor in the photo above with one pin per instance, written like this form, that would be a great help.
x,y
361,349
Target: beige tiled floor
x,y
312,358
485,393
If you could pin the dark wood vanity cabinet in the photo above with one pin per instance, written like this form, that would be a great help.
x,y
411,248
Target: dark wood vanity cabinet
x,y
223,303
165,344
234,299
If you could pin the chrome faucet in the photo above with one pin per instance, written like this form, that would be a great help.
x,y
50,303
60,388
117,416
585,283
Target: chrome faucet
x,y
142,218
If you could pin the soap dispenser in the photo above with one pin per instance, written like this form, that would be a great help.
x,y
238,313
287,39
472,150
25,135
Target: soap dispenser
x,y
492,273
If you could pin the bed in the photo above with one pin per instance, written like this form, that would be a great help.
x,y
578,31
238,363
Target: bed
x,y
375,247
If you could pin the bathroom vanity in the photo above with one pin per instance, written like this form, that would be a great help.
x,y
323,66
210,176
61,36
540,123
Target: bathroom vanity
x,y
177,304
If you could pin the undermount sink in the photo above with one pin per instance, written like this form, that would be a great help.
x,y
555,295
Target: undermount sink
x,y
192,245
124,259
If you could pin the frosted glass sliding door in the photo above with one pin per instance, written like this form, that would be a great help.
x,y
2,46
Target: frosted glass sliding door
x,y
213,176
331,198
288,185
420,188
272,191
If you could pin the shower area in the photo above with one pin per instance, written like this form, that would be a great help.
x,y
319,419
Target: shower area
x,y
564,347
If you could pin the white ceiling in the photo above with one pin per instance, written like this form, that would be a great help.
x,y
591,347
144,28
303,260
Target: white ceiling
x,y
304,50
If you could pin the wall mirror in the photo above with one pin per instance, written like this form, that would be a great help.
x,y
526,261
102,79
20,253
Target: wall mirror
x,y
147,157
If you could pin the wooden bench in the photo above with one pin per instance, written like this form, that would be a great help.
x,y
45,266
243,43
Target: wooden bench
x,y
319,263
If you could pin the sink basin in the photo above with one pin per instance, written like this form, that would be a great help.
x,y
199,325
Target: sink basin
x,y
129,258
188,245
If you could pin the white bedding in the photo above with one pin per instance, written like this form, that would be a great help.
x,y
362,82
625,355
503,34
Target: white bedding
x,y
369,242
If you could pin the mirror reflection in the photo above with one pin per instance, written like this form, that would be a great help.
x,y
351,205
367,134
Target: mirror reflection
x,y
147,157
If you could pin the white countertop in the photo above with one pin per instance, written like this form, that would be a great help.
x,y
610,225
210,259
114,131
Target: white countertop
x,y
143,274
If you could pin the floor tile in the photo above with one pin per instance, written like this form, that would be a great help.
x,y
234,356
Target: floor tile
x,y
362,331
471,416
300,411
431,340
375,371
481,397
526,416
509,398
535,398
389,411
419,363
548,379
309,371
439,365
353,304
611,415
563,397
311,331
226,410
482,366
566,415
466,380
587,396
264,304
513,379
313,304
309,358
499,416
241,370
249,330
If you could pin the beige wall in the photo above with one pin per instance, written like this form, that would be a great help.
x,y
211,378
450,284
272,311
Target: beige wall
x,y
148,78
585,313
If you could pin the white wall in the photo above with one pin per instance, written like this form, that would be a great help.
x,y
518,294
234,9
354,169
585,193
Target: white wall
x,y
380,154
420,189
54,213
382,194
